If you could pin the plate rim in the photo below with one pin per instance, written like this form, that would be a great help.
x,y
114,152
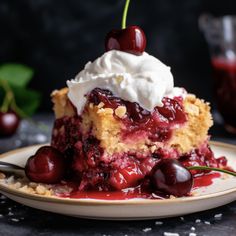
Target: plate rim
x,y
92,202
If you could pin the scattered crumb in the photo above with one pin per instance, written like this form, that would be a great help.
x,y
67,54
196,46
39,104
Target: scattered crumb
x,y
182,218
40,189
153,148
1,215
33,185
147,230
218,216
198,221
105,111
170,234
192,234
17,185
101,104
23,184
120,111
158,223
193,228
207,222
15,220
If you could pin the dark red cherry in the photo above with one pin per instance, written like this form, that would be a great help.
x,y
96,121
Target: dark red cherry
x,y
9,122
131,39
136,113
171,177
129,176
46,166
172,110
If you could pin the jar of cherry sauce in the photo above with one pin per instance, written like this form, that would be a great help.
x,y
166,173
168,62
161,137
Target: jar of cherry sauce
x,y
220,34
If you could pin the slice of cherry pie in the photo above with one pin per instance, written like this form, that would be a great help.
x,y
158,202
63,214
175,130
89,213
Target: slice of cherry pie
x,y
122,127
114,144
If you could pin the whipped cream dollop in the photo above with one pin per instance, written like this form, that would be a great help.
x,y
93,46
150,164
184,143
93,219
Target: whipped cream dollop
x,y
143,79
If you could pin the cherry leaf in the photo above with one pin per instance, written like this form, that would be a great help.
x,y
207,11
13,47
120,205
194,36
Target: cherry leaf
x,y
16,74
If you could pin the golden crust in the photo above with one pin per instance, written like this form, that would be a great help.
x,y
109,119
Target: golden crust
x,y
107,129
195,131
61,104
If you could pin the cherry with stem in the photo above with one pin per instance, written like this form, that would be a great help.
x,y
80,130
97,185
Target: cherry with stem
x,y
129,39
9,102
171,177
9,112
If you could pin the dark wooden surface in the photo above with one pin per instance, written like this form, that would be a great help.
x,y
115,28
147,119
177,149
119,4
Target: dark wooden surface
x,y
16,219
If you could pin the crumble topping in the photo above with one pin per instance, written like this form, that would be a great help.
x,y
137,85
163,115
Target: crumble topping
x,y
101,104
120,111
24,185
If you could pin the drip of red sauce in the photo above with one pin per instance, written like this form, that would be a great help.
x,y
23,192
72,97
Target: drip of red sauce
x,y
205,180
125,194
132,193
116,195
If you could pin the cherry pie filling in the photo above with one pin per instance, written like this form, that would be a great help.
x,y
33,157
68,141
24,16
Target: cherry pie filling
x,y
125,175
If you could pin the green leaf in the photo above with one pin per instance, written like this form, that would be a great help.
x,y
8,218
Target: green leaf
x,y
2,93
27,100
16,74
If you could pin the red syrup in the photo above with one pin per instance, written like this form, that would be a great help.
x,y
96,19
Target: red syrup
x,y
224,73
137,192
116,195
204,180
124,194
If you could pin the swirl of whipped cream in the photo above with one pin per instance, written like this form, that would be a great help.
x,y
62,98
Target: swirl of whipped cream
x,y
142,79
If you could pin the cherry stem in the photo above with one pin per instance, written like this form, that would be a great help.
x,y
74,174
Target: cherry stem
x,y
123,26
9,96
211,168
9,100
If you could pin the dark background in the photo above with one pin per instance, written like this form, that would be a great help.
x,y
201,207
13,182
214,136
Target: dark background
x,y
57,37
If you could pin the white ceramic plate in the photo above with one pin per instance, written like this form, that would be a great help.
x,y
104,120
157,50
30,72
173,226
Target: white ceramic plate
x,y
221,192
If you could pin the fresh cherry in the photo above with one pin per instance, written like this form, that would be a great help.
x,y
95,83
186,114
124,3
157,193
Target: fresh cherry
x,y
171,177
172,110
9,122
136,113
126,177
131,39
46,166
